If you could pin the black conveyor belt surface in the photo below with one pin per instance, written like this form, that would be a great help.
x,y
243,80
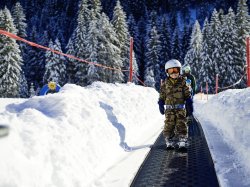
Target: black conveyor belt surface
x,y
163,168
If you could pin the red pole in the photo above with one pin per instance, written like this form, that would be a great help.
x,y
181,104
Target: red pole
x,y
216,83
131,60
207,89
248,62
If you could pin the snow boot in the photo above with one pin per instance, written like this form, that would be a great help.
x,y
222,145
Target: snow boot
x,y
182,144
170,143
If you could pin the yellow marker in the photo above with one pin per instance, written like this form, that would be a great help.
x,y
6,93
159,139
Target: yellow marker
x,y
52,85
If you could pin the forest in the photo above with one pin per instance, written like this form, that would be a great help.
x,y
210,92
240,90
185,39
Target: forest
x,y
207,35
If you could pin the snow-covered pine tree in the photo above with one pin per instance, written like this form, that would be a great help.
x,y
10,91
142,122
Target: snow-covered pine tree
x,y
32,90
216,44
19,19
134,32
23,90
135,69
109,52
71,63
80,41
193,56
153,60
207,65
96,8
243,30
165,46
92,48
230,53
10,58
121,29
55,68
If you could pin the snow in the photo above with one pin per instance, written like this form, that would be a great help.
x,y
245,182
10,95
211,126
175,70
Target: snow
x,y
225,119
99,135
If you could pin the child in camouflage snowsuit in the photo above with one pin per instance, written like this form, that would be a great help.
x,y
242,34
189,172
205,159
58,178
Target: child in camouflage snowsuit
x,y
174,94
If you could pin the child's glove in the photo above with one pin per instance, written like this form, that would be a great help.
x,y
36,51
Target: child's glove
x,y
161,104
189,106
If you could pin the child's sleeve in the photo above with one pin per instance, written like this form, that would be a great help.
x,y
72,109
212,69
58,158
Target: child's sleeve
x,y
163,92
186,90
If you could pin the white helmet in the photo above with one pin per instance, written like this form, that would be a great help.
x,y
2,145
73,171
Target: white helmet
x,y
187,68
172,63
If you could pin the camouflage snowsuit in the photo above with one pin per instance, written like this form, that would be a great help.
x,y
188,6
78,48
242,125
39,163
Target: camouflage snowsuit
x,y
174,92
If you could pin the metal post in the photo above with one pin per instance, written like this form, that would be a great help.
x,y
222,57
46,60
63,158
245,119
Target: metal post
x,y
216,83
131,60
248,62
207,89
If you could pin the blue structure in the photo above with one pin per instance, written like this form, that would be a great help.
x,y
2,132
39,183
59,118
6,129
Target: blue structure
x,y
51,87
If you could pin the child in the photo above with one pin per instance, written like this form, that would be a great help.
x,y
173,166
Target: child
x,y
189,109
174,94
187,73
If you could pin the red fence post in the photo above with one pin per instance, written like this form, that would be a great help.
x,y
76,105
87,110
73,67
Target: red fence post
x,y
248,62
216,83
131,60
207,89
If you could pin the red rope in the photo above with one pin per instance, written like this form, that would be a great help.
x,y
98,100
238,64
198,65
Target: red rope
x,y
8,34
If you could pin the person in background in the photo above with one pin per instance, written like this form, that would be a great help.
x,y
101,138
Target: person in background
x,y
188,75
174,95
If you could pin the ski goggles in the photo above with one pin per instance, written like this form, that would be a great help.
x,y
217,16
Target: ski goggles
x,y
173,70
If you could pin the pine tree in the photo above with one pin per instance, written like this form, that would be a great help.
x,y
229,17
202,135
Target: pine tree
x,y
71,63
19,20
121,29
193,56
80,41
207,65
109,52
95,7
243,30
216,43
165,46
134,32
21,25
92,48
135,69
32,90
10,58
230,50
153,60
141,46
23,89
55,69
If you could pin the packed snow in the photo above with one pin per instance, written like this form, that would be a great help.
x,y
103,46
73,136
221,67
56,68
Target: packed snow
x,y
99,135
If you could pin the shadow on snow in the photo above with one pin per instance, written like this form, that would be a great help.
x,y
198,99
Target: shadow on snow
x,y
120,128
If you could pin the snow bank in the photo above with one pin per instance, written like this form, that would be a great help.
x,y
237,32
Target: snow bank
x,y
226,121
74,137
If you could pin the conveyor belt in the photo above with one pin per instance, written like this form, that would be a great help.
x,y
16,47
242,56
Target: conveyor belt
x,y
163,168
